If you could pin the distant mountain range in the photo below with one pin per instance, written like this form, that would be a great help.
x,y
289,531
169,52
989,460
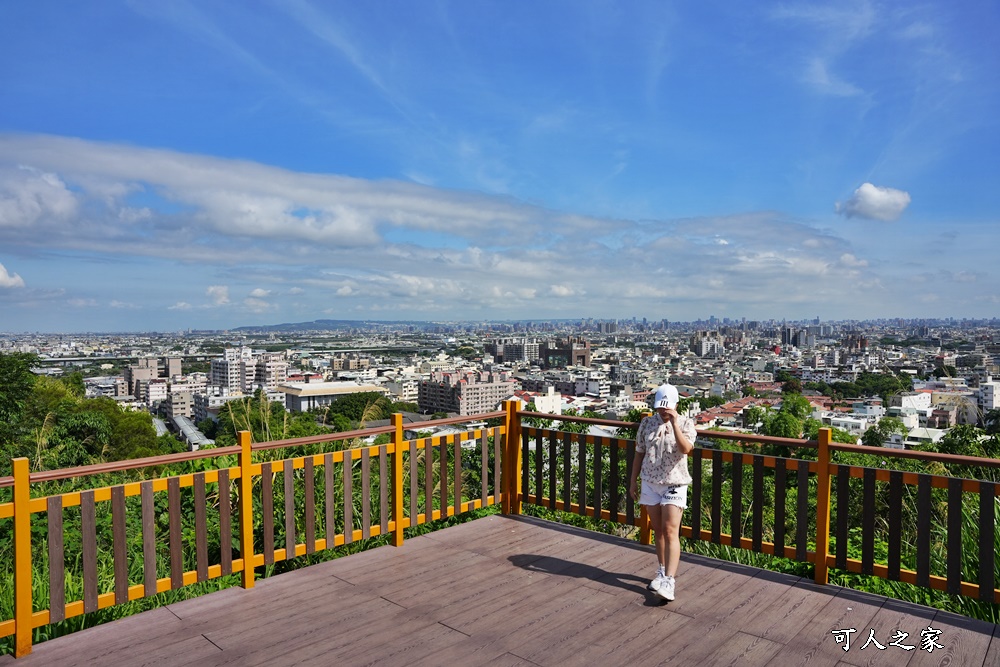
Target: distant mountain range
x,y
330,325
340,325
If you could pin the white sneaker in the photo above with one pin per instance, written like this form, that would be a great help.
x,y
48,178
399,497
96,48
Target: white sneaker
x,y
666,589
655,584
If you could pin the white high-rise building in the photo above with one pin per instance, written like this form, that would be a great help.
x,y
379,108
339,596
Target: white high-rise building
x,y
230,371
988,395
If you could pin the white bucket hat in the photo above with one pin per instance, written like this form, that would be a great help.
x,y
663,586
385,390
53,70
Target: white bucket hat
x,y
666,396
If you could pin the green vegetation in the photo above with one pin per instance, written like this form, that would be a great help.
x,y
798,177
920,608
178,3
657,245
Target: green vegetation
x,y
48,421
879,434
868,385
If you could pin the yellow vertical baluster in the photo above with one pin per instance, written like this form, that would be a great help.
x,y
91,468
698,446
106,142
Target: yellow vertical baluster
x,y
22,558
397,478
822,505
246,508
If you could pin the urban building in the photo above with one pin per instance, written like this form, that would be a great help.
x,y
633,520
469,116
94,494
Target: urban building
x,y
305,396
464,393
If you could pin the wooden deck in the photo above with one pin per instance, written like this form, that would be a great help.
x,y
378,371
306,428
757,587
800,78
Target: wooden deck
x,y
520,591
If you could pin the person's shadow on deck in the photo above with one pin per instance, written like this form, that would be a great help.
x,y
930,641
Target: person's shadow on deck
x,y
566,568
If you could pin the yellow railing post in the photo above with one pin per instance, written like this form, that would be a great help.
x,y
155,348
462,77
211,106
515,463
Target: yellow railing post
x,y
512,462
246,508
22,558
645,527
397,479
822,505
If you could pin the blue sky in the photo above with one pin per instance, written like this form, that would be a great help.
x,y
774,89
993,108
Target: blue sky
x,y
174,165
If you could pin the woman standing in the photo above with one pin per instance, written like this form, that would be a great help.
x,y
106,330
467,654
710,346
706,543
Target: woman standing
x,y
662,444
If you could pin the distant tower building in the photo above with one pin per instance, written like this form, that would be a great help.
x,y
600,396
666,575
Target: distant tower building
x,y
231,370
143,370
564,352
270,370
512,350
788,336
171,367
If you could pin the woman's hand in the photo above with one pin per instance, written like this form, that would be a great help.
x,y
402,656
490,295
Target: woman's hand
x,y
633,490
670,414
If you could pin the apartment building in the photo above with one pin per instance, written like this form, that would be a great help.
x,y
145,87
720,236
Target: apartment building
x,y
918,400
513,350
178,404
349,362
152,392
465,393
405,389
270,370
988,395
207,406
230,371
144,370
239,369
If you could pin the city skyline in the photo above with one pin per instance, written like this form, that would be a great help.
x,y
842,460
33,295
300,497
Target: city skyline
x,y
166,167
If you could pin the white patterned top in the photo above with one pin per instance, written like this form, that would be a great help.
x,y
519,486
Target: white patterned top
x,y
663,463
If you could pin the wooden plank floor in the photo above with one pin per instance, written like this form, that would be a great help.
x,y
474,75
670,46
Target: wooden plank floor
x,y
520,591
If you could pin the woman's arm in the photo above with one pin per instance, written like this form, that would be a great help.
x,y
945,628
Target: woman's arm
x,y
633,487
684,444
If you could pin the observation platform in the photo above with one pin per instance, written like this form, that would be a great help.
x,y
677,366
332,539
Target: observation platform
x,y
514,590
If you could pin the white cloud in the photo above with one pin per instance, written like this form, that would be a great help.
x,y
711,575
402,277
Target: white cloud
x,y
219,294
849,260
561,290
210,202
31,197
270,235
875,203
9,280
257,305
82,303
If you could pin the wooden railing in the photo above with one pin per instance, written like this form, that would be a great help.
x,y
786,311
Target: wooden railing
x,y
135,540
588,475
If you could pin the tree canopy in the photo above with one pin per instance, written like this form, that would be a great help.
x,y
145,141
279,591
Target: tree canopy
x,y
16,384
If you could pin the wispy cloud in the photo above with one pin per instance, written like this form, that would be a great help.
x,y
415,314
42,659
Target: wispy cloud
x,y
836,29
260,241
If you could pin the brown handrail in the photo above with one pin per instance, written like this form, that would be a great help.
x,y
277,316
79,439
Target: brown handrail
x,y
583,420
453,420
183,457
793,442
315,439
920,456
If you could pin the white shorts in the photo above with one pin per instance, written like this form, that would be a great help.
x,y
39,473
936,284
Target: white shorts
x,y
664,494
